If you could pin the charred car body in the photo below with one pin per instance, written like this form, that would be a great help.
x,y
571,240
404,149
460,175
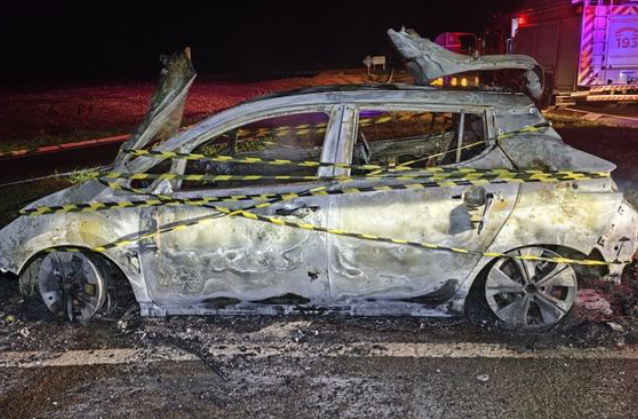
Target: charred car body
x,y
180,260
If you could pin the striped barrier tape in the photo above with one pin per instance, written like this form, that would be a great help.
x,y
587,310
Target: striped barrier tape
x,y
532,176
305,129
434,175
298,130
312,163
282,162
203,201
161,200
222,211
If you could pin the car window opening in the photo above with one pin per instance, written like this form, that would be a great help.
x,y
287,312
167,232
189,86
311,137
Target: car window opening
x,y
297,137
391,138
160,168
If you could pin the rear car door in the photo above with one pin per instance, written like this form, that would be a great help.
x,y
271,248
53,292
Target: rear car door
x,y
233,262
362,271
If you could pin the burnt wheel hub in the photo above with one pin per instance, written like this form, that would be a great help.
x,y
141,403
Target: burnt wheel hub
x,y
71,285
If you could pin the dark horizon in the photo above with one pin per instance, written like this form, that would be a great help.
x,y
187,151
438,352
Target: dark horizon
x,y
49,41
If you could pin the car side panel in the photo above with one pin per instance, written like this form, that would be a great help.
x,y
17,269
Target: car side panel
x,y
235,258
362,270
582,216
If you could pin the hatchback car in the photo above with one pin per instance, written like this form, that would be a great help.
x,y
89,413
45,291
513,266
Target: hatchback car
x,y
308,209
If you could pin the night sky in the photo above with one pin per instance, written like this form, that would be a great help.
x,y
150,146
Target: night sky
x,y
62,40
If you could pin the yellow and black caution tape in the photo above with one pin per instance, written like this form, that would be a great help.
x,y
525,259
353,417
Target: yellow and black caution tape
x,y
338,232
470,176
283,162
284,131
404,167
201,220
321,127
244,213
159,200
436,174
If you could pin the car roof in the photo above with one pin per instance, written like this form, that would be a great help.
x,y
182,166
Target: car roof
x,y
387,94
338,88
381,88
372,95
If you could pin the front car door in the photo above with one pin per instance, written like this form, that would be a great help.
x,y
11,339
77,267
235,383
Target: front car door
x,y
371,277
232,264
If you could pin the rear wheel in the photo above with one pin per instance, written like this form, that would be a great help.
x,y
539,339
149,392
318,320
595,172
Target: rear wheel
x,y
525,294
72,285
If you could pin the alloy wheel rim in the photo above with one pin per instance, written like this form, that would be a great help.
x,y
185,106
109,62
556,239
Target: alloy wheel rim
x,y
528,294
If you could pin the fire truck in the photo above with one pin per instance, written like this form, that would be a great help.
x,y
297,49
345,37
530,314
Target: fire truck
x,y
588,48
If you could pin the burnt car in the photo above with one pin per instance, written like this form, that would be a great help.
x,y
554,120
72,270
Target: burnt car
x,y
297,202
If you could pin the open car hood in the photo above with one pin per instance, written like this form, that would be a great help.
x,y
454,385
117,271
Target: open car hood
x,y
166,110
428,61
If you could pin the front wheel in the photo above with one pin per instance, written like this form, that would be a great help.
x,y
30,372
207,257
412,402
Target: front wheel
x,y
72,285
527,294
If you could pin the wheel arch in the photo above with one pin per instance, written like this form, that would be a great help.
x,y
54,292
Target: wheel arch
x,y
28,270
476,303
482,267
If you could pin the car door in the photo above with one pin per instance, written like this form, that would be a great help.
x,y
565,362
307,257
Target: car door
x,y
365,270
229,259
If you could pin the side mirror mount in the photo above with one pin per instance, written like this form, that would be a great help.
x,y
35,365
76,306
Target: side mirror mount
x,y
474,197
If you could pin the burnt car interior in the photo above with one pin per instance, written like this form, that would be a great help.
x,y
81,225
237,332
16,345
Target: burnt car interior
x,y
425,139
297,137
384,137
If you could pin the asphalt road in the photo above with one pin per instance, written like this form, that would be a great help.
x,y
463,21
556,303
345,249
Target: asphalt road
x,y
126,366
299,368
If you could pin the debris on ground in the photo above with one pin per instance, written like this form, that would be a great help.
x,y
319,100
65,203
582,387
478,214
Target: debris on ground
x,y
593,303
615,327
483,377
123,322
602,318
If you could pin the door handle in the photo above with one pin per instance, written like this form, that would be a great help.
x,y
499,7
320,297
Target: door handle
x,y
300,211
486,213
474,198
